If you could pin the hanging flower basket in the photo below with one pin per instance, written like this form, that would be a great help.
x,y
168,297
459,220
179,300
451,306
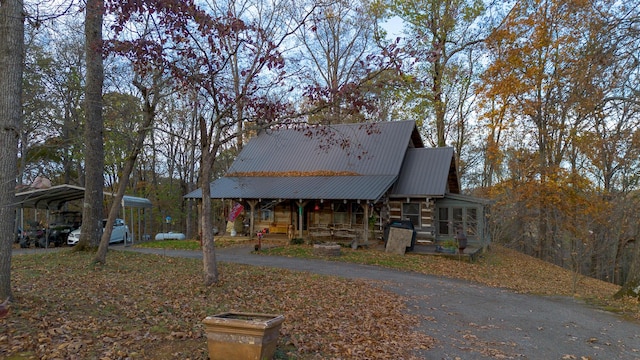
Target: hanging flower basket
x,y
238,335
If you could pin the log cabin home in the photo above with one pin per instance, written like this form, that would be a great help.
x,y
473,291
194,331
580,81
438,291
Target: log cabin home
x,y
347,181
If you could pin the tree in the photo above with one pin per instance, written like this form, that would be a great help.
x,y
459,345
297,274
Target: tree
x,y
93,132
439,33
335,42
558,87
151,96
11,69
52,104
197,47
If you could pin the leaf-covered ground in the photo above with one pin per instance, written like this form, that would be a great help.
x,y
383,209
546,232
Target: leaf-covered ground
x,y
151,307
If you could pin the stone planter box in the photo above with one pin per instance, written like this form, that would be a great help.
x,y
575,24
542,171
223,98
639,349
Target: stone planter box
x,y
326,249
238,335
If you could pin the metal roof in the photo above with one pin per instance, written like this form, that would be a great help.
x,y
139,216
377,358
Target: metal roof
x,y
303,187
365,149
136,202
376,156
55,197
51,198
425,173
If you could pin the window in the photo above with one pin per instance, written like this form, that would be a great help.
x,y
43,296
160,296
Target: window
x,y
266,215
472,221
340,214
457,220
443,221
357,214
452,218
411,211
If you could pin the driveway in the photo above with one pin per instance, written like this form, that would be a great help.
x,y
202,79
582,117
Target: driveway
x,y
472,321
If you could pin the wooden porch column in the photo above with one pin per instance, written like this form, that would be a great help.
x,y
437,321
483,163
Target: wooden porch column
x,y
301,204
252,206
366,223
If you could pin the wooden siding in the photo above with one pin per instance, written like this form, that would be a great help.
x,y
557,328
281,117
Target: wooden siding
x,y
426,230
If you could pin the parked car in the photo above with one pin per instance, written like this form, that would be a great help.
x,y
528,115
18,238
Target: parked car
x,y
120,233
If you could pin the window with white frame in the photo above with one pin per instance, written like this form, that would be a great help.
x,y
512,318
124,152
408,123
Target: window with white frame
x,y
411,211
266,215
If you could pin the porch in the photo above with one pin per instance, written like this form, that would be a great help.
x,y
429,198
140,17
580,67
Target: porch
x,y
470,254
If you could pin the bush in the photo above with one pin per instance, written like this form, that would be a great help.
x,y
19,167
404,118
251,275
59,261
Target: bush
x,y
297,241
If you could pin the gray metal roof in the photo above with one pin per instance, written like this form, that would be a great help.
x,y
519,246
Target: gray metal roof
x,y
365,149
377,155
303,187
425,173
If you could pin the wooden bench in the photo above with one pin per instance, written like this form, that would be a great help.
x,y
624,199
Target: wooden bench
x,y
276,228
319,234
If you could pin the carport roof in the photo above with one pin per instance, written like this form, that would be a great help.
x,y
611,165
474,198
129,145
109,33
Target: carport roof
x,y
55,197
52,198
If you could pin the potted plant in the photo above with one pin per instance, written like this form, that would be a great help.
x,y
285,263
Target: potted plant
x,y
240,335
448,246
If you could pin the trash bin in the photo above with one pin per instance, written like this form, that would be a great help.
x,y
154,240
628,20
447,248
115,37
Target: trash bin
x,y
401,224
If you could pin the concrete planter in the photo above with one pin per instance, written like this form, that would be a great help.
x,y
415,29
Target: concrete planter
x,y
329,249
237,335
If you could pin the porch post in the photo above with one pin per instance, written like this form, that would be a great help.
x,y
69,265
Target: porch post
x,y
366,223
252,207
300,216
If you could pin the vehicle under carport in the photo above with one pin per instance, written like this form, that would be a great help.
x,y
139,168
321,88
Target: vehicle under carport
x,y
53,199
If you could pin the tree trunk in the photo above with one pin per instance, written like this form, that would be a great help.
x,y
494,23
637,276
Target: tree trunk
x,y
631,285
11,68
208,247
93,132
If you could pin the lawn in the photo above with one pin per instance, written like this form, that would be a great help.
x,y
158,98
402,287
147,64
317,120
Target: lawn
x,y
151,307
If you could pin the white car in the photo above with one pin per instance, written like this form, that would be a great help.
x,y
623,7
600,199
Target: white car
x,y
120,233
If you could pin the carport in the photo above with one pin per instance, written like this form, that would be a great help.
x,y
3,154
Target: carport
x,y
55,197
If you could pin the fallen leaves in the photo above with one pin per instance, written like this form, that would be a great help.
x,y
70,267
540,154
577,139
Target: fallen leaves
x,y
144,307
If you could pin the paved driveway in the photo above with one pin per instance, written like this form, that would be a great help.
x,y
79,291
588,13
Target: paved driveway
x,y
472,321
